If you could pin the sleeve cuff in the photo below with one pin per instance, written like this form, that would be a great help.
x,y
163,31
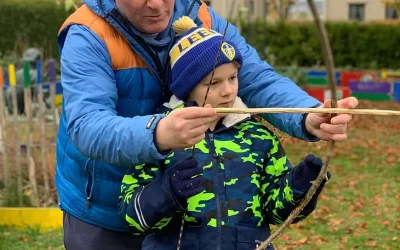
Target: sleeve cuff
x,y
166,188
161,152
310,137
152,125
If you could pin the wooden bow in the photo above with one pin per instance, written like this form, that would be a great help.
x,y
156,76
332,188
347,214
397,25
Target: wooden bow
x,y
328,58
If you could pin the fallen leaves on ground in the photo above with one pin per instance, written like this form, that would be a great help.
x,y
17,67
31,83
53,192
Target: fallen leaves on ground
x,y
360,206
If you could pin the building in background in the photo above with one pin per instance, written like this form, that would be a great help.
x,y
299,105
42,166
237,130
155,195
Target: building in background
x,y
232,8
301,10
359,10
329,10
270,10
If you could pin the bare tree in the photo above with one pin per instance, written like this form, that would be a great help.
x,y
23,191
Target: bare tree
x,y
392,3
280,8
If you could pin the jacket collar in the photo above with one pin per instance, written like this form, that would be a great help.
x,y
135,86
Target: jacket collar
x,y
103,7
108,10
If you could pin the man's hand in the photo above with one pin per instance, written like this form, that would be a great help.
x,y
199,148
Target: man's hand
x,y
185,127
325,128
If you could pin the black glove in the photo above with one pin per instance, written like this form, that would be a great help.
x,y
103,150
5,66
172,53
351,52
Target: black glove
x,y
302,175
306,172
186,179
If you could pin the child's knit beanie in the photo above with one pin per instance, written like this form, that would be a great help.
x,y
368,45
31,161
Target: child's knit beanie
x,y
194,54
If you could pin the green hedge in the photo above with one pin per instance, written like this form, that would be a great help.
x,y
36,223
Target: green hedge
x,y
25,23
36,22
354,45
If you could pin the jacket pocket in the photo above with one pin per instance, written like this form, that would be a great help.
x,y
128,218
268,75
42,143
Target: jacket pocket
x,y
251,237
89,170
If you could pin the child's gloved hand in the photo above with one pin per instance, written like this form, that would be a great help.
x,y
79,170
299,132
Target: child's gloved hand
x,y
186,179
306,172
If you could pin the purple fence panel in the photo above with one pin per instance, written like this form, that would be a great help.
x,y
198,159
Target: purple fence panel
x,y
370,87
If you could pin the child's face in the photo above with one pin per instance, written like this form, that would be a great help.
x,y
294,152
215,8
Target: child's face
x,y
223,89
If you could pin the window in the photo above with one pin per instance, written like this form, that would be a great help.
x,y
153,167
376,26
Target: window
x,y
208,3
357,12
391,13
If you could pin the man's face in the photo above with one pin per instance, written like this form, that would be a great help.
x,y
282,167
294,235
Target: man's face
x,y
223,89
147,16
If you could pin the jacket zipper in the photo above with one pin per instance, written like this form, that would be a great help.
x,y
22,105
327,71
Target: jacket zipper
x,y
216,180
216,188
89,183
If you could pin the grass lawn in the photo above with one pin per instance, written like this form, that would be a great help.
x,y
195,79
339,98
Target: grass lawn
x,y
12,239
360,206
358,209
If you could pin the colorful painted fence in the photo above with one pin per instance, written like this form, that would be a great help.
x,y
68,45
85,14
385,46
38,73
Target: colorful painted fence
x,y
320,78
396,90
45,85
371,90
364,85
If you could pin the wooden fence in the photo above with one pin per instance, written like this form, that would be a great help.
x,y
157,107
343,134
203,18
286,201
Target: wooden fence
x,y
28,137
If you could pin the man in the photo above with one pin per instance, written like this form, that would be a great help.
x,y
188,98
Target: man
x,y
114,73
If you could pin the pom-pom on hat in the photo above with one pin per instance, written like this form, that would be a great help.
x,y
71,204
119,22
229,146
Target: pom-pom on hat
x,y
193,56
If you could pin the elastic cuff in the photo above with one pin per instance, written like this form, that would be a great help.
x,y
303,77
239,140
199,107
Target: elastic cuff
x,y
166,188
298,195
165,152
152,124
310,137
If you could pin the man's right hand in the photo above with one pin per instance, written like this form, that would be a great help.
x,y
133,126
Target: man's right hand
x,y
184,127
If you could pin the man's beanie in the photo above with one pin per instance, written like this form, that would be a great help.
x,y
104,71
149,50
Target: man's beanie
x,y
193,56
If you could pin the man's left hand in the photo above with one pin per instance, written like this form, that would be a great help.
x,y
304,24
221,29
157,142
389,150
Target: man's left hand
x,y
327,128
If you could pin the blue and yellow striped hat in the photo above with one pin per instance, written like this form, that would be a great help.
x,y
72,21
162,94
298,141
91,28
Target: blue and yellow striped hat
x,y
193,56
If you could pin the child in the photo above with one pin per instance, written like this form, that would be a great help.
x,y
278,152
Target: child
x,y
237,182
